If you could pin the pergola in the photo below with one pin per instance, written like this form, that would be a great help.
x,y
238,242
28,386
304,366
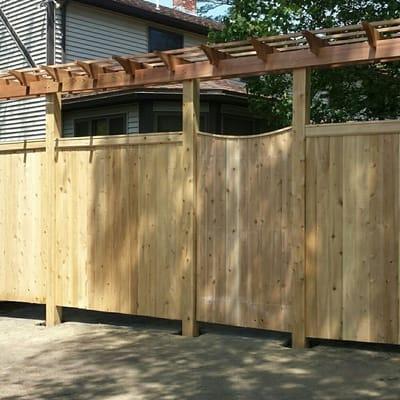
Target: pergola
x,y
332,47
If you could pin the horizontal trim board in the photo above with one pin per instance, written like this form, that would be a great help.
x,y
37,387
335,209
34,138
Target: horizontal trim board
x,y
354,128
119,140
260,135
22,145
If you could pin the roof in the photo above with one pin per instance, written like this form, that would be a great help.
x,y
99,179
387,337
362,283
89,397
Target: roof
x,y
224,87
163,15
330,48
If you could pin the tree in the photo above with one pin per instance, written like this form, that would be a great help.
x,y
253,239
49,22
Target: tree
x,y
351,93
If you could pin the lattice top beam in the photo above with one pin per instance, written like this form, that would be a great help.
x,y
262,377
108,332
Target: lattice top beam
x,y
332,47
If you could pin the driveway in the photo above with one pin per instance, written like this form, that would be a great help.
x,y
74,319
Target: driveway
x,y
106,356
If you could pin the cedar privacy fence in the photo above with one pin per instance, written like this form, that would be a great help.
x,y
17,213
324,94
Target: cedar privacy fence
x,y
296,230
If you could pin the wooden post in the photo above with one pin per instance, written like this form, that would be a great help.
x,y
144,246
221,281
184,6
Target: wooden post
x,y
191,111
301,117
53,131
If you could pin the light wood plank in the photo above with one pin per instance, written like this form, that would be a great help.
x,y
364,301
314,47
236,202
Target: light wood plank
x,y
53,131
301,117
191,118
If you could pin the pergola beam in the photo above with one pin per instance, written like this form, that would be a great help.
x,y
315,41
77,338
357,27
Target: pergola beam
x,y
130,66
104,74
315,42
214,55
262,49
373,34
170,60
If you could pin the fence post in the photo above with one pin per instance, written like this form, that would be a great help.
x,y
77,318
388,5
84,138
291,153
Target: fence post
x,y
301,117
53,131
191,110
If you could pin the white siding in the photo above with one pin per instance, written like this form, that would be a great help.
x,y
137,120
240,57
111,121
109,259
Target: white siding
x,y
59,56
24,118
132,111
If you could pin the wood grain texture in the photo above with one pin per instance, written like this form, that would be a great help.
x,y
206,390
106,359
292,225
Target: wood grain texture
x,y
244,277
352,238
119,211
122,222
297,201
49,239
188,234
22,268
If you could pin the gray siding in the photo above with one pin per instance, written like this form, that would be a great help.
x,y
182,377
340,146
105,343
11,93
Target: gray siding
x,y
91,33
24,118
132,111
95,33
192,40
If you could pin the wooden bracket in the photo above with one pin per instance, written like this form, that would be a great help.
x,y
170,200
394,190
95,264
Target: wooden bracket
x,y
52,71
170,60
373,34
24,78
315,42
92,68
262,49
58,73
130,66
20,76
214,55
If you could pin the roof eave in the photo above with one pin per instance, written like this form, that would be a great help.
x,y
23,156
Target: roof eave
x,y
165,94
149,15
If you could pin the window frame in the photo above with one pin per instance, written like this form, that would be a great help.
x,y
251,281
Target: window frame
x,y
108,117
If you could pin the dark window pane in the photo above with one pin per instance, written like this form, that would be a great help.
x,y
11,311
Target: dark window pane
x,y
237,125
164,40
106,125
100,127
82,128
169,122
117,125
203,122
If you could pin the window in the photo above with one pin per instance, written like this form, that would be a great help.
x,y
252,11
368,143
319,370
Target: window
x,y
167,122
237,124
166,116
101,126
172,121
164,40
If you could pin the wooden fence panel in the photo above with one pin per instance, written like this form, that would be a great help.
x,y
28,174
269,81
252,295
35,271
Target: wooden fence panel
x,y
22,274
352,275
244,239
120,244
118,237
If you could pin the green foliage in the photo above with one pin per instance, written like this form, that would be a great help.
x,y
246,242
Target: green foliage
x,y
351,93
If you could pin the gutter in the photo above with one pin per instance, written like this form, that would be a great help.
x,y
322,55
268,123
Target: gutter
x,y
51,32
17,40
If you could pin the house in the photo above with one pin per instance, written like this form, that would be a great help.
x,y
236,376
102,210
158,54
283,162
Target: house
x,y
87,29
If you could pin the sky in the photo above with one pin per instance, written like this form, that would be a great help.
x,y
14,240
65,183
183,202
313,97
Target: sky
x,y
168,3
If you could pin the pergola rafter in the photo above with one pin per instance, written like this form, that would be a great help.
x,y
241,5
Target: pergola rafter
x,y
332,47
